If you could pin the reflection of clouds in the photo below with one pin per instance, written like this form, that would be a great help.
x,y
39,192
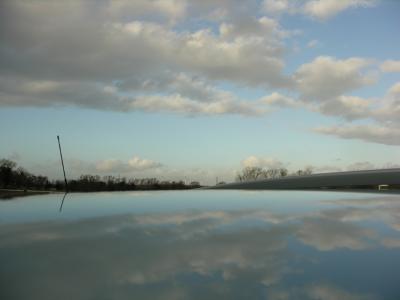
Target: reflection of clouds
x,y
212,216
326,234
139,254
320,291
383,209
391,242
329,292
175,255
231,254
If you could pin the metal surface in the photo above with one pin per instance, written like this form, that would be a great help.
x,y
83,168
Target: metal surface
x,y
327,180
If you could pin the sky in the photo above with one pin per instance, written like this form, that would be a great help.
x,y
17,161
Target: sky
x,y
194,90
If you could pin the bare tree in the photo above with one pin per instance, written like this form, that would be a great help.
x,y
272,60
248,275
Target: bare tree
x,y
256,173
6,171
306,171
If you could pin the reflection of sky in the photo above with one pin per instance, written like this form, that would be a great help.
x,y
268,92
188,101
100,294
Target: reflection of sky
x,y
100,204
174,245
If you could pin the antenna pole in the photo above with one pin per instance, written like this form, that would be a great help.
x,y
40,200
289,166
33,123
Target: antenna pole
x,y
62,202
62,163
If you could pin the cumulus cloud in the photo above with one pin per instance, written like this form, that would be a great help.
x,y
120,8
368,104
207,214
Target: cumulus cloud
x,y
135,56
114,166
325,9
179,104
278,99
276,6
388,111
327,77
395,90
390,66
172,10
347,107
138,163
316,9
254,161
384,112
88,58
185,95
368,133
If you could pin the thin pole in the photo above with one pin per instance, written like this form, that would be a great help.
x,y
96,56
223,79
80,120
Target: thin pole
x,y
62,201
62,163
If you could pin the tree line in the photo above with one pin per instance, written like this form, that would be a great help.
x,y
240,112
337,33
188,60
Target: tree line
x,y
258,173
14,177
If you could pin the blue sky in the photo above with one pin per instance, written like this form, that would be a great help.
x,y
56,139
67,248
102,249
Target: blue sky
x,y
192,90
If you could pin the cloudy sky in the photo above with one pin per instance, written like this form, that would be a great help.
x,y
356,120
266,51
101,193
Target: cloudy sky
x,y
199,89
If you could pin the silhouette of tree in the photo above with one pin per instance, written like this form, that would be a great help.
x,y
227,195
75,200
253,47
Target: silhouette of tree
x,y
256,173
13,177
307,171
6,172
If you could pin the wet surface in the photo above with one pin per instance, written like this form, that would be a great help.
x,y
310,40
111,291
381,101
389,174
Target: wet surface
x,y
201,245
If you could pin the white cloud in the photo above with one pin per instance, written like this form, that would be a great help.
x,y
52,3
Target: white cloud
x,y
388,111
172,10
156,46
326,77
184,94
316,9
170,69
179,104
137,163
276,6
390,66
368,133
250,26
356,166
385,112
133,165
254,161
347,107
114,55
279,100
395,90
110,165
325,9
